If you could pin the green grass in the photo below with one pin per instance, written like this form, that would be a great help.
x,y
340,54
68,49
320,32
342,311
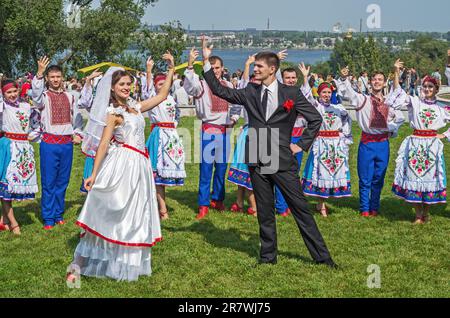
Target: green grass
x,y
217,256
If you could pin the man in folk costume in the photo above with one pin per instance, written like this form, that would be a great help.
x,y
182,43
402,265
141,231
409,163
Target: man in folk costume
x,y
215,142
61,126
378,122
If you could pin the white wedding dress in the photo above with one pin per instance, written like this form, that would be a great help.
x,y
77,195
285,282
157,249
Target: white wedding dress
x,y
120,218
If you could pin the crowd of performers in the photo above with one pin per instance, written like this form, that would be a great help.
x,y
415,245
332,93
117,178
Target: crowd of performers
x,y
125,175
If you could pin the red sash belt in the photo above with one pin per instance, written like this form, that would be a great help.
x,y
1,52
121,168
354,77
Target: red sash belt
x,y
145,154
328,133
297,131
425,133
163,125
15,136
366,138
214,129
57,139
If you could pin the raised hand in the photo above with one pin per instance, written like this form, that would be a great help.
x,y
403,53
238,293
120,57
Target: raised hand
x,y
207,50
305,70
168,57
282,55
193,55
43,62
94,74
150,64
250,60
344,72
398,65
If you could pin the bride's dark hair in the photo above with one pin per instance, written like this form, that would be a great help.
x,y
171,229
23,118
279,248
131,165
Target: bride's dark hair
x,y
116,76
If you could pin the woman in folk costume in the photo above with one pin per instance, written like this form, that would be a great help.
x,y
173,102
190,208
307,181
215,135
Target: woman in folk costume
x,y
327,174
420,174
165,146
120,218
18,180
239,173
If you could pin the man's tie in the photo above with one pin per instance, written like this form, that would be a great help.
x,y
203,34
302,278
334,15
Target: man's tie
x,y
264,102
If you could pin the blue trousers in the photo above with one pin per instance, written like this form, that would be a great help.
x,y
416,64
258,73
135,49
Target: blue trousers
x,y
373,159
280,203
214,155
56,165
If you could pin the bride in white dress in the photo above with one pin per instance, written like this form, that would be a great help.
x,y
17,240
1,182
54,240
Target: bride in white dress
x,y
119,220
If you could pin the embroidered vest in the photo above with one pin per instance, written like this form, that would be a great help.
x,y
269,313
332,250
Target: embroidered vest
x,y
218,105
379,114
60,112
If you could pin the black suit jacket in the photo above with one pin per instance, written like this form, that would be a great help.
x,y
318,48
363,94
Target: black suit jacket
x,y
268,142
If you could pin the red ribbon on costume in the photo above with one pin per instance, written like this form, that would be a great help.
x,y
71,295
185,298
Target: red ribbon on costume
x,y
432,80
15,136
323,86
8,86
214,129
328,133
366,138
163,125
57,139
145,154
425,133
159,78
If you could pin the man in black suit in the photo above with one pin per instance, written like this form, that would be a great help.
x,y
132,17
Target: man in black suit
x,y
272,109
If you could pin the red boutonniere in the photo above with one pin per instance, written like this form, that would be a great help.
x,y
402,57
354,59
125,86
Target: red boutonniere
x,y
288,105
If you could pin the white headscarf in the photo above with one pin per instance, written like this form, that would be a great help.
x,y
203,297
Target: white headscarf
x,y
97,115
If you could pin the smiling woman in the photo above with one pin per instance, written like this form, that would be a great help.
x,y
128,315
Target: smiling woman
x,y
119,219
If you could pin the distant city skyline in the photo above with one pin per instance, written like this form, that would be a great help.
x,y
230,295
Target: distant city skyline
x,y
399,15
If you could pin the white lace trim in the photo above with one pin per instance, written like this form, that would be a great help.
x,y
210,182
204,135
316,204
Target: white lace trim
x,y
98,258
22,189
115,110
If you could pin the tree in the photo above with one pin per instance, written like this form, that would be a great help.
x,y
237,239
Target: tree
x,y
32,28
172,37
426,55
361,55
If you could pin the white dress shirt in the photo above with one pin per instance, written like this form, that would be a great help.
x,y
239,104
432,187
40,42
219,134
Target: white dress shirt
x,y
272,98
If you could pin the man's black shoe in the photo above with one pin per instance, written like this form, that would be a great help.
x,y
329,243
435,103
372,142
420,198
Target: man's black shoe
x,y
272,262
330,263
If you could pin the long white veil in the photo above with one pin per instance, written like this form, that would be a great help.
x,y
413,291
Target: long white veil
x,y
97,116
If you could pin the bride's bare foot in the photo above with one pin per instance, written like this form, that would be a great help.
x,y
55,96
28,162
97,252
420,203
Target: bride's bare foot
x,y
15,229
164,215
322,208
71,277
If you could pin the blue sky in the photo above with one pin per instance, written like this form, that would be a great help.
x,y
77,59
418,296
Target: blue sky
x,y
318,15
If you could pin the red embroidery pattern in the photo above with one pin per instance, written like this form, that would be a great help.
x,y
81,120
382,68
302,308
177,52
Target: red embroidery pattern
x,y
379,115
218,105
366,138
60,108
